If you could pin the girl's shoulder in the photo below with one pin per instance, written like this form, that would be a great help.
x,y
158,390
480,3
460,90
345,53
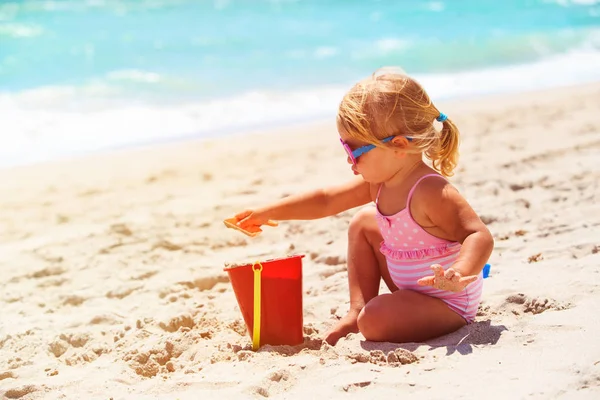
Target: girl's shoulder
x,y
434,191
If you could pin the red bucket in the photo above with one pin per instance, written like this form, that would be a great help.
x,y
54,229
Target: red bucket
x,y
274,289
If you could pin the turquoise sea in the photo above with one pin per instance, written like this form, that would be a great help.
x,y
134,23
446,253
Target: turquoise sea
x,y
83,75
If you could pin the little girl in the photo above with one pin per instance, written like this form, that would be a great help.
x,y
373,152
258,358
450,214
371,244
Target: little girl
x,y
421,237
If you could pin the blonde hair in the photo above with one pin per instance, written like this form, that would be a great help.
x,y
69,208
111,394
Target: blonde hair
x,y
390,103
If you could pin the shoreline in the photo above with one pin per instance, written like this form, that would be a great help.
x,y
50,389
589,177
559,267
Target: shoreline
x,y
458,103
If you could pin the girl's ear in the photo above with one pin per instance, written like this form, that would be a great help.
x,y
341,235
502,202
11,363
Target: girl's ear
x,y
400,144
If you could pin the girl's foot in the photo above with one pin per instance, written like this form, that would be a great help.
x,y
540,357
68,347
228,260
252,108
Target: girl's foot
x,y
343,327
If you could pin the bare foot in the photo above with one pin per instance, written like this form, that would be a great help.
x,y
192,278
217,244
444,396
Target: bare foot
x,y
343,327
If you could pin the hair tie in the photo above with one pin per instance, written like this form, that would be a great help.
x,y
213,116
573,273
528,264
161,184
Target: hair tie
x,y
442,117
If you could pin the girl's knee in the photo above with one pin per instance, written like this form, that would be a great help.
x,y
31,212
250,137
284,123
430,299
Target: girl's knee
x,y
370,321
363,323
363,223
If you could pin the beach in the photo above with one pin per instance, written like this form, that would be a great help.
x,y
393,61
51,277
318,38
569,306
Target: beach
x,y
112,280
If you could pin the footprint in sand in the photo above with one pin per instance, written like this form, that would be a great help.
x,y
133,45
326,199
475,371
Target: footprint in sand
x,y
393,358
532,305
275,383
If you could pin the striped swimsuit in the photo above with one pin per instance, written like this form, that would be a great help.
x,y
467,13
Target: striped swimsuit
x,y
410,251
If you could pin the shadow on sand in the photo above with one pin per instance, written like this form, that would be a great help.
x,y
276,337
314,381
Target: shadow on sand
x,y
461,341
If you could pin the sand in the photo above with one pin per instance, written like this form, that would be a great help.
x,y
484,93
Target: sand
x,y
112,281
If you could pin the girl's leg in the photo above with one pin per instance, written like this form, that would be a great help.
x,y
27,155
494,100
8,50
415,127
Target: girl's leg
x,y
366,268
407,316
400,317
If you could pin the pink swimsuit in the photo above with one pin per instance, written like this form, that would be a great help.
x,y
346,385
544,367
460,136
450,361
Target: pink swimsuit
x,y
410,251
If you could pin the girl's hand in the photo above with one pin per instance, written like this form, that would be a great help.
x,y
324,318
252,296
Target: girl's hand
x,y
450,280
251,221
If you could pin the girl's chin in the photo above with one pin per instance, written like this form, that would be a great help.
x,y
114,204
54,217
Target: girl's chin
x,y
367,178
371,180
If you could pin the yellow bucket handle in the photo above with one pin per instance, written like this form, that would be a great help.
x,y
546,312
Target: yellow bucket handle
x,y
257,302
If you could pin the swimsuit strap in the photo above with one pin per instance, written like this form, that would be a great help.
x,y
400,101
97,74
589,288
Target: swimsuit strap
x,y
412,190
410,194
378,191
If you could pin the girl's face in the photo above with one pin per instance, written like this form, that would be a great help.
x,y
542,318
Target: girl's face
x,y
375,164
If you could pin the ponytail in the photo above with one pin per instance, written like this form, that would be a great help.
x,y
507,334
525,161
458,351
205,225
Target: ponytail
x,y
444,153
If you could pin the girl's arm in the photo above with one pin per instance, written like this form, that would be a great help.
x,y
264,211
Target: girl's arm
x,y
449,212
319,203
312,205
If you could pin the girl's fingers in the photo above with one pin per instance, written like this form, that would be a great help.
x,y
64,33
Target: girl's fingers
x,y
438,271
243,215
426,281
449,274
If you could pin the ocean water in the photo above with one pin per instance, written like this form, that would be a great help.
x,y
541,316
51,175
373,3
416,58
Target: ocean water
x,y
84,75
